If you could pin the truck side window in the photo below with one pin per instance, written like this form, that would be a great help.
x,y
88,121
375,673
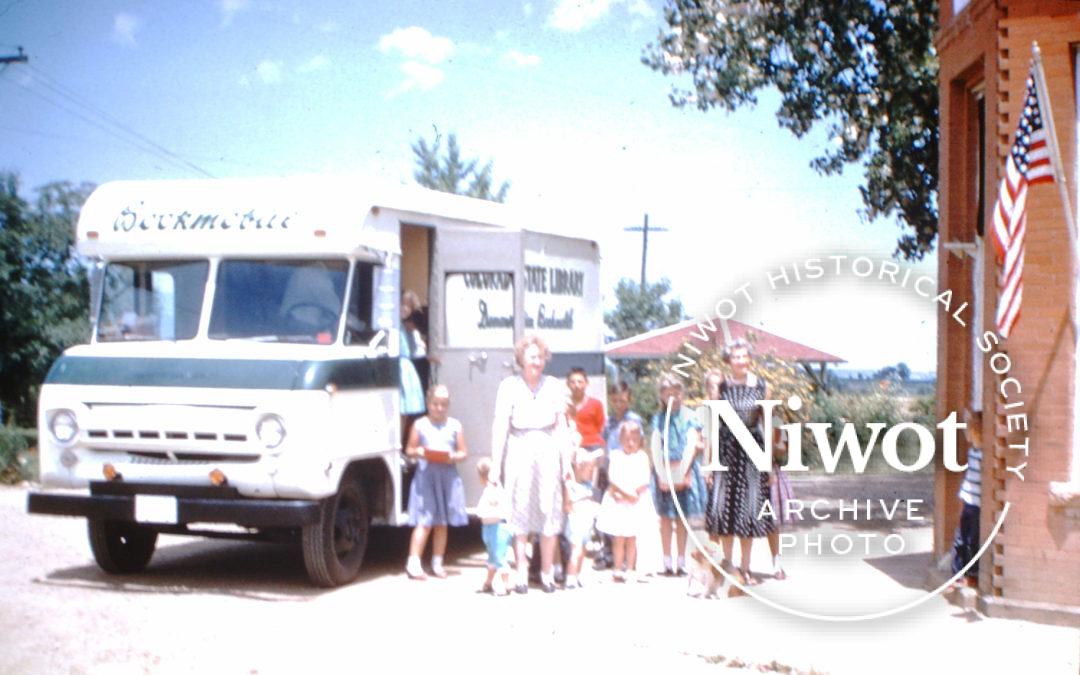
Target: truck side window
x,y
359,324
151,300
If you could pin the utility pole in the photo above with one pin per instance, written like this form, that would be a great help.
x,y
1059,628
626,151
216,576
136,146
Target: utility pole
x,y
644,230
21,57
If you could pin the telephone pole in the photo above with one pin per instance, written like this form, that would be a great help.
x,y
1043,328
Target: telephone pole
x,y
644,230
21,57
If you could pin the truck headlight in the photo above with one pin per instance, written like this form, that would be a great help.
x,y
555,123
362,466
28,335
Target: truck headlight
x,y
63,426
271,431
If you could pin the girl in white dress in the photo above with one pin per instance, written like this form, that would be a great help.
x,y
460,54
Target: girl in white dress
x,y
624,512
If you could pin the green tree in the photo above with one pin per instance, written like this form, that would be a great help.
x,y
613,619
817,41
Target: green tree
x,y
886,373
864,69
451,173
43,288
903,371
636,313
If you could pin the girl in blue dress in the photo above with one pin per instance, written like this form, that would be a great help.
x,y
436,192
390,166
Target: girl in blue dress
x,y
679,477
436,495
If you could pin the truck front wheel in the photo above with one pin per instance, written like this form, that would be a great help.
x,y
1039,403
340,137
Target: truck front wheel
x,y
120,547
334,547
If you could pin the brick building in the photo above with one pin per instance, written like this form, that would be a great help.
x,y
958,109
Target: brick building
x,y
1032,568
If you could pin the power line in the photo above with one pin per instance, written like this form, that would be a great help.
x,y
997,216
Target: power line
x,y
54,85
94,123
83,108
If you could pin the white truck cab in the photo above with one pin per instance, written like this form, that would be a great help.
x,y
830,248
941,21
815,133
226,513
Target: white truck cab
x,y
243,374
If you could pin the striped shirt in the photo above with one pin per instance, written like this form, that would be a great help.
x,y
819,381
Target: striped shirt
x,y
971,487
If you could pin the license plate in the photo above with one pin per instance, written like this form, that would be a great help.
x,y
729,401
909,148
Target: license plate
x,y
155,509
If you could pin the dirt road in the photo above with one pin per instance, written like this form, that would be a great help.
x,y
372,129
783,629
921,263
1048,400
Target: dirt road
x,y
238,607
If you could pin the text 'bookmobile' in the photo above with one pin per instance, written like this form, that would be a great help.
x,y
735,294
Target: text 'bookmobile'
x,y
243,374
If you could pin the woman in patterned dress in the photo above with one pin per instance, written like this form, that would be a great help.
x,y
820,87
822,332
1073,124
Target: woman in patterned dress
x,y
738,495
528,437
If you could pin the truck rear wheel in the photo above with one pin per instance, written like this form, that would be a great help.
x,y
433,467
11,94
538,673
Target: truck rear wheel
x,y
120,547
334,547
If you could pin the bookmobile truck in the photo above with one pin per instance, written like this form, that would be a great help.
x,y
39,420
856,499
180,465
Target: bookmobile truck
x,y
242,378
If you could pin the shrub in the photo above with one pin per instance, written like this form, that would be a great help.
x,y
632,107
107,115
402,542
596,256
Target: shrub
x,y
860,410
16,463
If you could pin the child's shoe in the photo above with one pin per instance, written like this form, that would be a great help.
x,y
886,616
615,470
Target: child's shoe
x,y
415,571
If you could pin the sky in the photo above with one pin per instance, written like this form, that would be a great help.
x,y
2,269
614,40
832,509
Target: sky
x,y
552,91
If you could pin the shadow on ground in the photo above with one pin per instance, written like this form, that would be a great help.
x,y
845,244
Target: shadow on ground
x,y
254,570
908,570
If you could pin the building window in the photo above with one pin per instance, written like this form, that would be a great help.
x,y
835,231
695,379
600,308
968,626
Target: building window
x,y
978,186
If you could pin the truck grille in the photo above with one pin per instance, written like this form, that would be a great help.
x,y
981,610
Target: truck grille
x,y
128,434
155,457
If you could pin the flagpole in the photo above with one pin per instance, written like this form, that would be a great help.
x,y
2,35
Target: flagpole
x,y
1051,132
1066,203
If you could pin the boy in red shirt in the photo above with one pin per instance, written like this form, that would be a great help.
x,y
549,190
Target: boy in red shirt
x,y
590,413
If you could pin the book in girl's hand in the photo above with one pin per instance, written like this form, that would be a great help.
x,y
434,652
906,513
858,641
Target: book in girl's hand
x,y
437,456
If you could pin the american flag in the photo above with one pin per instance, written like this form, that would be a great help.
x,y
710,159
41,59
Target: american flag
x,y
1028,163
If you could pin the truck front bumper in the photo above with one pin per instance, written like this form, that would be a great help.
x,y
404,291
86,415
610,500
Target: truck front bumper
x,y
116,500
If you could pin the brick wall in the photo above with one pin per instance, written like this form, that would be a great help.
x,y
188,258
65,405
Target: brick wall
x,y
1036,558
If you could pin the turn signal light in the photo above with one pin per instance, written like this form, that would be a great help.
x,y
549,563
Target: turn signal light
x,y
110,472
218,478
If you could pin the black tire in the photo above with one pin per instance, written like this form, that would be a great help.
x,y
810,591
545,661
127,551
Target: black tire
x,y
120,547
334,547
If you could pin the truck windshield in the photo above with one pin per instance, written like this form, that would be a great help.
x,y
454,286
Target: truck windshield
x,y
278,300
158,300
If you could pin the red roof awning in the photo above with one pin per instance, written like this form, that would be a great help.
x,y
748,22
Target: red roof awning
x,y
665,342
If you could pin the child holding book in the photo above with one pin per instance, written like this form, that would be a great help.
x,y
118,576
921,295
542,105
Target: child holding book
x,y
437,495
624,509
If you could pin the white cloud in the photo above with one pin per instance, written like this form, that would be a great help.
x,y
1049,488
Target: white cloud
x,y
640,8
125,26
419,76
527,9
521,60
577,15
269,71
317,62
229,9
329,27
416,43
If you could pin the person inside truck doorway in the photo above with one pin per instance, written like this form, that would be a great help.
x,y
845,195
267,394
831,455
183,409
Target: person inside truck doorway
x,y
528,436
414,329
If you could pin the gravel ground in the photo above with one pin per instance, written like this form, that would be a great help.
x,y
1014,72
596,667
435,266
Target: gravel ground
x,y
241,607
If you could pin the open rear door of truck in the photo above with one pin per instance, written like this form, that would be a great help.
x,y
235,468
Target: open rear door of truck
x,y
475,315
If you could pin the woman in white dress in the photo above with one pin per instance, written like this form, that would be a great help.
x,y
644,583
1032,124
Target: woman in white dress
x,y
529,435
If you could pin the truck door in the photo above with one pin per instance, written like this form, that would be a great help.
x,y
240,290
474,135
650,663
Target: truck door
x,y
475,316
